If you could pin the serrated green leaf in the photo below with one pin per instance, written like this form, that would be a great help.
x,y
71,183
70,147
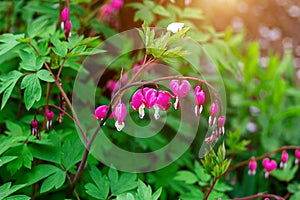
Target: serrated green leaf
x,y
9,41
143,192
33,90
60,48
125,196
100,189
71,156
56,180
122,183
45,75
30,61
14,129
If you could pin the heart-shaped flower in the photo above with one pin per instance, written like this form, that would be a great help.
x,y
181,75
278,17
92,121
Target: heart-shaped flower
x,y
150,96
252,166
120,114
269,166
297,154
200,98
180,90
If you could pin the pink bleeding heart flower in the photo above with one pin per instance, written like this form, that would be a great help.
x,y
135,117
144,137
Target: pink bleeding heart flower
x,y
112,85
297,154
150,97
67,28
284,159
220,124
65,14
180,90
252,166
100,112
213,113
137,102
162,102
107,10
34,127
49,116
120,115
117,4
200,98
269,166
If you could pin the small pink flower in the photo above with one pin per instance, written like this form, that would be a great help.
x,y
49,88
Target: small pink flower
x,y
150,96
269,166
162,102
112,85
107,10
180,90
100,112
284,158
34,127
117,4
49,115
297,154
200,98
120,114
61,114
65,14
220,124
67,28
213,113
137,102
135,68
252,166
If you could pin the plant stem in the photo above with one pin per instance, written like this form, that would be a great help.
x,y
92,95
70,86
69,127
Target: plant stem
x,y
260,195
211,188
245,162
63,93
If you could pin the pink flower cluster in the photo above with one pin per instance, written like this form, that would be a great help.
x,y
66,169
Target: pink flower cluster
x,y
161,100
113,6
270,165
35,124
66,24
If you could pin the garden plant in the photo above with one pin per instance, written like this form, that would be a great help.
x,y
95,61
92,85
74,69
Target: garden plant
x,y
169,109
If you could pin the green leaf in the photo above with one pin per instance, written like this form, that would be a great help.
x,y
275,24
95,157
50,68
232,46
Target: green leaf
x,y
6,159
56,180
186,176
18,197
8,82
36,28
30,61
201,173
9,41
40,172
14,129
60,48
24,158
160,10
33,90
45,75
192,13
125,196
143,192
126,182
6,189
71,156
100,189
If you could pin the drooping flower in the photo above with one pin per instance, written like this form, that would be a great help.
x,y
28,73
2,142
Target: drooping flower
x,y
34,127
65,14
269,166
150,97
200,98
162,102
67,29
112,85
120,115
100,112
117,4
297,154
220,124
137,102
175,27
107,10
180,90
213,113
49,115
284,159
252,166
